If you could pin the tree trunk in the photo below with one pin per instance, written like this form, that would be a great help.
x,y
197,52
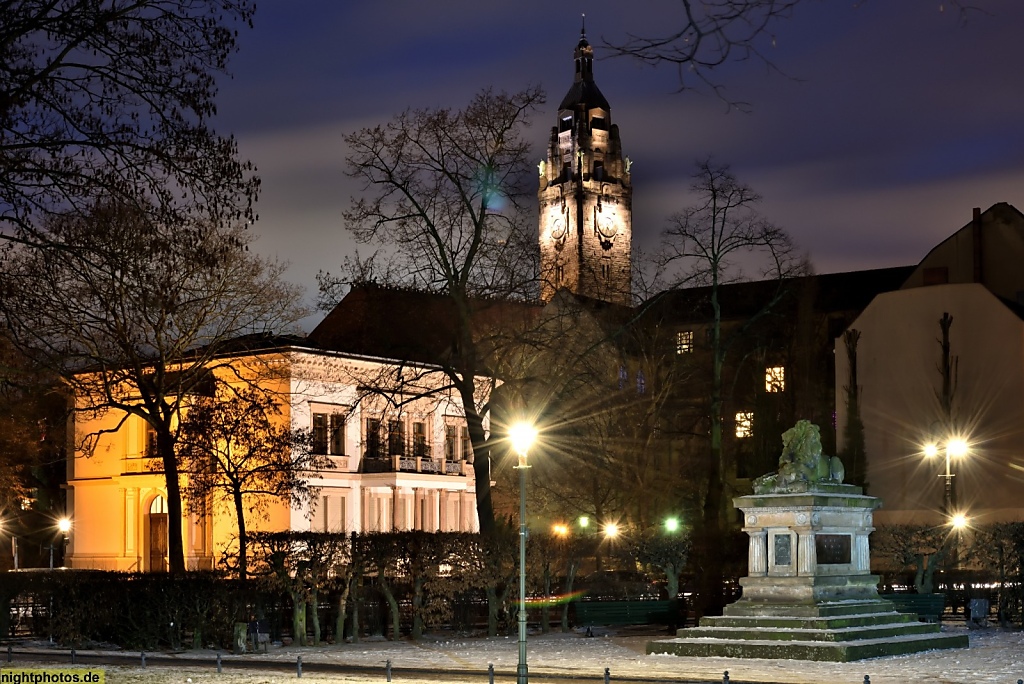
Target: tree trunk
x,y
298,619
417,608
396,627
492,611
175,545
545,607
243,539
355,609
314,606
481,473
711,599
570,578
339,624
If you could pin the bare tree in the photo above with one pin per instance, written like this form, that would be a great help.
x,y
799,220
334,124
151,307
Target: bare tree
x,y
444,201
135,316
704,243
234,445
112,99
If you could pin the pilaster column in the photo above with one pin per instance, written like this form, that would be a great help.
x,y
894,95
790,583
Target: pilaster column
x,y
757,557
861,553
806,555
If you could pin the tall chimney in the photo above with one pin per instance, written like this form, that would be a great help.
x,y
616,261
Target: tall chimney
x,y
979,271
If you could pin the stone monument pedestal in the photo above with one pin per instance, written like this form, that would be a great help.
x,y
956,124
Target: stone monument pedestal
x,y
809,593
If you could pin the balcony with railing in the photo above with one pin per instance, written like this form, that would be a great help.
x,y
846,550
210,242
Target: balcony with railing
x,y
407,456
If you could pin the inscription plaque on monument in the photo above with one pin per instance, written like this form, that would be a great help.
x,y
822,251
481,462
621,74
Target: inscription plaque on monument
x,y
783,549
832,549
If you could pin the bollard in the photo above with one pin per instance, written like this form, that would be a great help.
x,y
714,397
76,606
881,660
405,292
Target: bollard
x,y
298,666
73,654
219,668
607,675
867,679
387,669
143,654
490,673
725,677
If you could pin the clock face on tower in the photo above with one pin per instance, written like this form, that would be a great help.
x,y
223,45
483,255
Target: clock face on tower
x,y
558,228
606,225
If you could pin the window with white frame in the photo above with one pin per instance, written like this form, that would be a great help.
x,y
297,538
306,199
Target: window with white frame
x,y
371,439
775,379
744,424
684,342
420,448
328,432
467,445
451,439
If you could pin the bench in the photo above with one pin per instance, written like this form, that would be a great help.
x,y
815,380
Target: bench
x,y
928,607
622,612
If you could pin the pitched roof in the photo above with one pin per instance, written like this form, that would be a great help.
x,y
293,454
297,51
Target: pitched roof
x,y
406,324
830,292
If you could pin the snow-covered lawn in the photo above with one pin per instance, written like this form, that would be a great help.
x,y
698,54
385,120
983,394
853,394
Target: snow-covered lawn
x,y
995,656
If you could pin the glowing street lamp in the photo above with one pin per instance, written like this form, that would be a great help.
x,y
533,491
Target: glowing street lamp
x,y
560,530
584,521
958,521
953,448
611,530
522,436
672,524
63,526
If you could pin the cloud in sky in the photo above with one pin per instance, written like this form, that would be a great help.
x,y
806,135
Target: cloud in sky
x,y
893,121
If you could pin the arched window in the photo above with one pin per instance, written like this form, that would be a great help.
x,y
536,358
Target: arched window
x,y
159,505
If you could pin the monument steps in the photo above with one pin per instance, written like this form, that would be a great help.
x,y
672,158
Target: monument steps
x,y
829,622
747,608
815,635
843,651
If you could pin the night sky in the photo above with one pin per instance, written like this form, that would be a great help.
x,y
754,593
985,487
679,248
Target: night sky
x,y
892,121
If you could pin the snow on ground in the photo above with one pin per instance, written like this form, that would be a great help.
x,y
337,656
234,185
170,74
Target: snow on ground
x,y
995,657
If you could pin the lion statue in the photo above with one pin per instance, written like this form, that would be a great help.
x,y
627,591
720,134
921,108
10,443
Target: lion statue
x,y
802,464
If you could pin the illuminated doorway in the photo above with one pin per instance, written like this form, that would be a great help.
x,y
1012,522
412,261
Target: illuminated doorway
x,y
158,535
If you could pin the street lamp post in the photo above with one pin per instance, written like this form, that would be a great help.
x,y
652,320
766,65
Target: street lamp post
x,y
953,448
522,436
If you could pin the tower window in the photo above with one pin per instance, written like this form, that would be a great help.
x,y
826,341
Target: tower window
x,y
598,170
623,377
775,379
744,424
684,342
559,274
605,271
641,382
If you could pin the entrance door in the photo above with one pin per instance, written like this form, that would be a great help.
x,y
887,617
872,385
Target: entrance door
x,y
158,535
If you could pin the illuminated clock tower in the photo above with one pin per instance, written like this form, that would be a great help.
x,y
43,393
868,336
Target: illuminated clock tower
x,y
585,196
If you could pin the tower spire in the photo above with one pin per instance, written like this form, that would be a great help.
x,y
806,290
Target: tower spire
x,y
583,26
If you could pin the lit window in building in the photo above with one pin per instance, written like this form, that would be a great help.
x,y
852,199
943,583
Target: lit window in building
x,y
744,424
623,377
684,342
775,379
641,382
